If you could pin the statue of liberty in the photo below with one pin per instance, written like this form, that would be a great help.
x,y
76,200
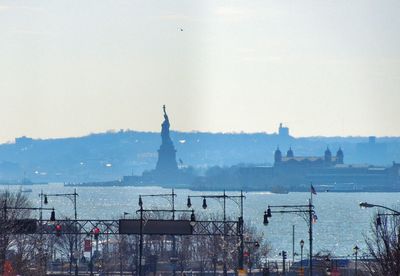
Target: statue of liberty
x,y
166,163
165,128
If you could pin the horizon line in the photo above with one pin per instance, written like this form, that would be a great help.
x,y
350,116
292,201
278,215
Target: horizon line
x,y
113,131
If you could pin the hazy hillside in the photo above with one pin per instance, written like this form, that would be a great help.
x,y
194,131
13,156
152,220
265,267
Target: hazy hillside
x,y
111,155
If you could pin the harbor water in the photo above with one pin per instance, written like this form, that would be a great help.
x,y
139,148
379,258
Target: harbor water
x,y
341,223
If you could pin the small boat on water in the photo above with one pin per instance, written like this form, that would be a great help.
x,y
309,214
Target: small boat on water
x,y
279,190
25,190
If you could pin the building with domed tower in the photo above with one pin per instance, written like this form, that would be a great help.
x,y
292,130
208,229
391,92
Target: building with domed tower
x,y
290,172
328,172
327,160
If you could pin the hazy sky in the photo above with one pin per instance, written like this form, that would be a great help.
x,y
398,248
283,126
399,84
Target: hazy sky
x,y
69,68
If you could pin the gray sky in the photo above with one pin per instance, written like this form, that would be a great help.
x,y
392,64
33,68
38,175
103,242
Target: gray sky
x,y
69,68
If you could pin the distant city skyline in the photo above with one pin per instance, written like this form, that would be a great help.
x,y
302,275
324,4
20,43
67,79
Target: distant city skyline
x,y
322,68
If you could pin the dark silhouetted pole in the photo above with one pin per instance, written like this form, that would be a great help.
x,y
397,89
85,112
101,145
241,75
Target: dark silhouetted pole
x,y
241,232
224,196
141,237
301,257
356,254
310,215
295,209
293,243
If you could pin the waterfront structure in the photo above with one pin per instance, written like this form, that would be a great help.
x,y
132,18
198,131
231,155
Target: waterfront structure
x,y
327,173
290,172
290,160
283,132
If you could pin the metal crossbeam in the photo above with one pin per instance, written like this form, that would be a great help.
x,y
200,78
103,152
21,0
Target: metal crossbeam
x,y
211,228
79,226
111,227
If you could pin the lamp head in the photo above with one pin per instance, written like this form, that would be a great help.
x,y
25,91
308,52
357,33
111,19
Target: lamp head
x,y
204,203
265,218
189,202
366,205
269,212
53,215
140,201
45,199
301,243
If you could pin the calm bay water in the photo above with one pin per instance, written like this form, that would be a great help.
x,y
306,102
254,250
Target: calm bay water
x,y
341,223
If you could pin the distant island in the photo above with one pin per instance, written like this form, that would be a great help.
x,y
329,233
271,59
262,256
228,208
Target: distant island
x,y
289,172
205,160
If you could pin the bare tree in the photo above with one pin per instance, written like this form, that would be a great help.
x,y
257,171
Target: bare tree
x,y
65,243
20,249
256,246
384,246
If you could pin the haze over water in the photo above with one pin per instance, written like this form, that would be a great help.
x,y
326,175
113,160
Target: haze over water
x,y
341,223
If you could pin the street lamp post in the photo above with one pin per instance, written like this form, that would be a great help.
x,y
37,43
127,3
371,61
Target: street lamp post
x,y
378,222
296,209
301,256
40,224
224,196
141,234
142,211
72,197
378,219
369,205
122,242
171,198
356,255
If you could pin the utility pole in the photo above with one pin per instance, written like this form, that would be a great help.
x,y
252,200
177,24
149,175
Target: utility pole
x,y
173,236
73,199
310,222
293,244
224,196
171,198
76,235
141,236
241,232
295,209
